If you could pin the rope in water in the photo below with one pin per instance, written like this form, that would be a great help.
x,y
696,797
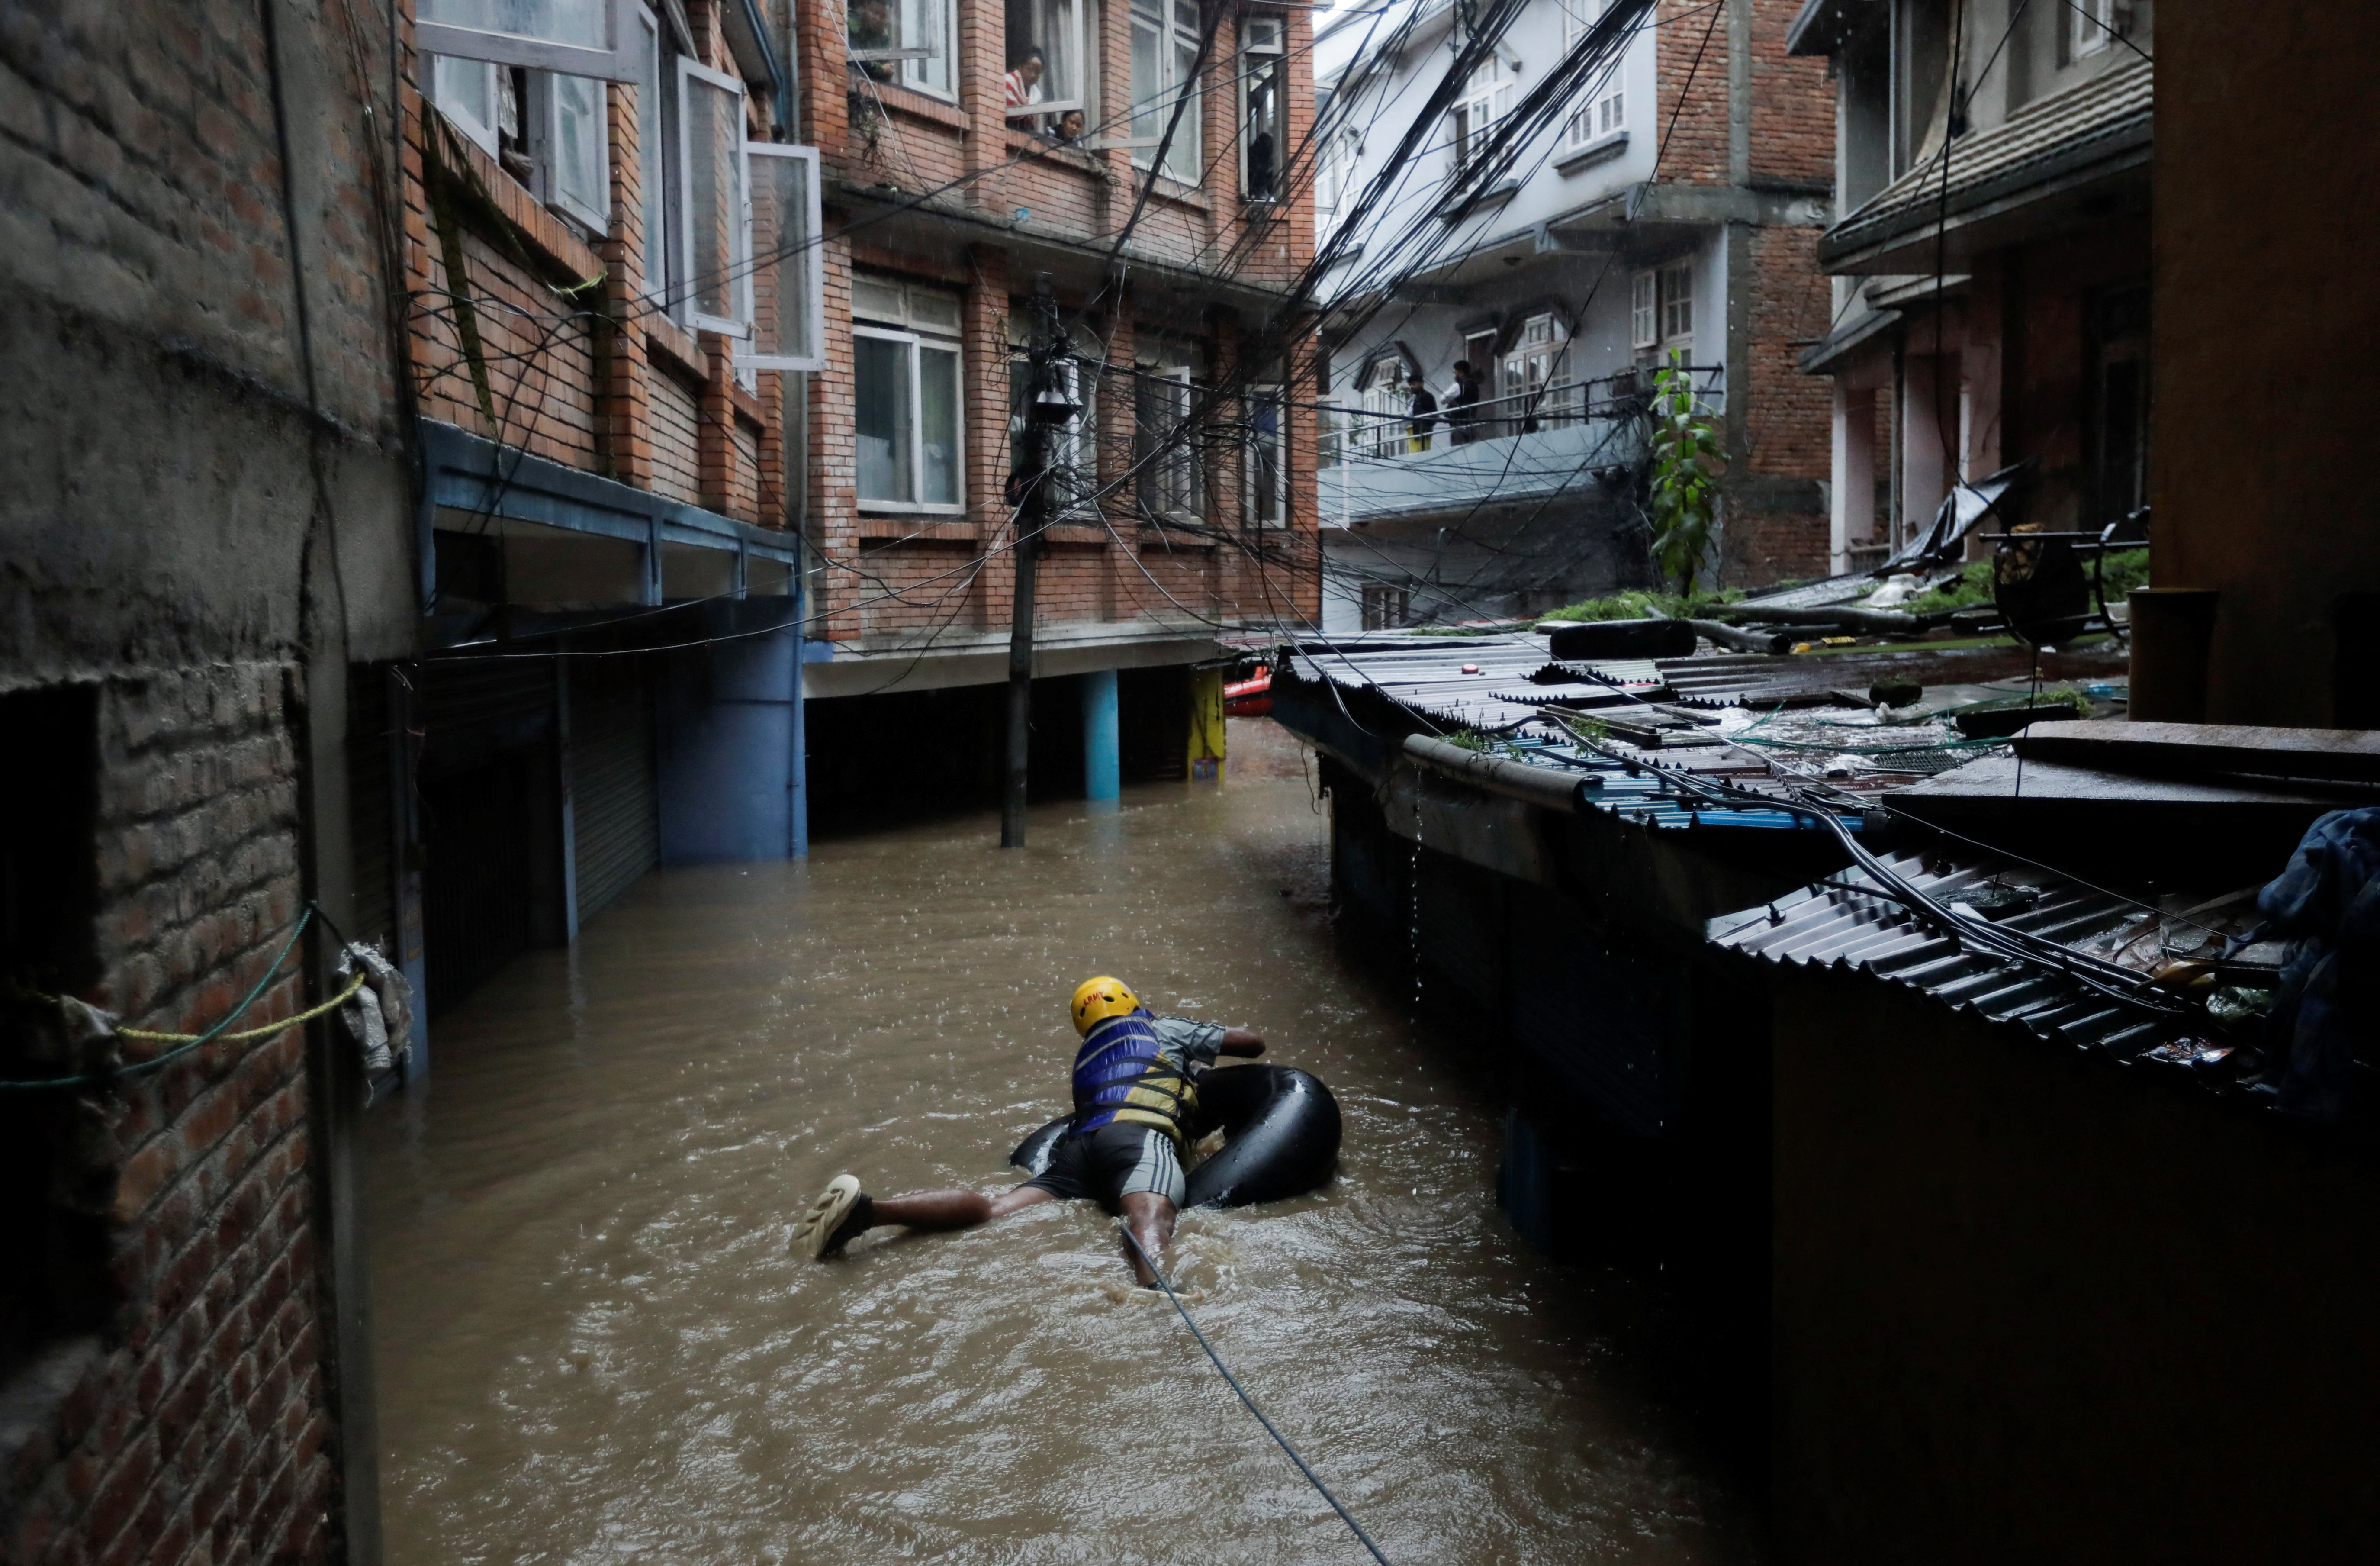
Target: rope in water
x,y
1344,1516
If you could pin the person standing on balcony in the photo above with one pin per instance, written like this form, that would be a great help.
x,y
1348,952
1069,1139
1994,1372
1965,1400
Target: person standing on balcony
x,y
1462,404
1425,414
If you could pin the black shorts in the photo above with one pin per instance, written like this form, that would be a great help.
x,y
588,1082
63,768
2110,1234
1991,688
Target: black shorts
x,y
1111,1163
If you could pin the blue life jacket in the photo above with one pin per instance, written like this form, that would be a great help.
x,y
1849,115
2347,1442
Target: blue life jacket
x,y
1123,1077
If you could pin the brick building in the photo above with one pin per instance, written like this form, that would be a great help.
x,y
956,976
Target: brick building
x,y
1667,206
1991,262
205,526
1142,159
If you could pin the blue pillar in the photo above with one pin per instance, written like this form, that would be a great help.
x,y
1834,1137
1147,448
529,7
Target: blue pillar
x,y
1102,758
728,719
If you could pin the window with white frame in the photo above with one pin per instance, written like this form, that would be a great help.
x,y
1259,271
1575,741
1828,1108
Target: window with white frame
x,y
1165,445
1486,99
712,173
1662,309
548,131
912,42
1165,38
907,397
594,38
1264,106
1047,64
788,310
1260,465
1606,108
2093,26
1335,170
1386,606
1073,452
657,155
1388,407
1536,370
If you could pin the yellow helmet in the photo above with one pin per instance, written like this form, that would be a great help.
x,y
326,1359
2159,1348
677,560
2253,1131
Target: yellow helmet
x,y
1096,1000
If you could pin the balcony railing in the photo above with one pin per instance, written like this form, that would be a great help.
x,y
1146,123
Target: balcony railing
x,y
1551,440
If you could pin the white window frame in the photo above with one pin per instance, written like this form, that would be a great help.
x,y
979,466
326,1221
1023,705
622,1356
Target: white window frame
x,y
613,60
1334,169
1471,122
1537,368
923,30
918,340
1645,310
1388,407
657,163
2093,26
1264,48
1677,299
542,119
811,258
1084,69
1178,467
1262,396
739,226
1150,116
480,128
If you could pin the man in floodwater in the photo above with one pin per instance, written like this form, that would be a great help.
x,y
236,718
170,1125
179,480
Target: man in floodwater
x,y
1136,1083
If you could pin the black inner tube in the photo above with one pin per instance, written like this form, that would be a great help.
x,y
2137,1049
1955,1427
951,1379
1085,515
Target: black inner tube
x,y
1280,1136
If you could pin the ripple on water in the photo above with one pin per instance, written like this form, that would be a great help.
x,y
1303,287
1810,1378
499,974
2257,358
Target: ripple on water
x,y
594,1348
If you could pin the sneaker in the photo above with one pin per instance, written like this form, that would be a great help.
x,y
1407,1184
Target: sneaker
x,y
840,1215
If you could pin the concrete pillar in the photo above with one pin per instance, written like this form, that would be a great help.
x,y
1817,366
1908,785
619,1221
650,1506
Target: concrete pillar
x,y
727,759
1102,742
1855,469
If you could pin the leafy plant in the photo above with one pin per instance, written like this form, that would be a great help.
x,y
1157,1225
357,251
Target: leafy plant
x,y
1973,585
1640,604
1467,739
1685,494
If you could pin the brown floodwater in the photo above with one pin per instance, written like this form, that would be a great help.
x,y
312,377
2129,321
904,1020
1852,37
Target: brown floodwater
x,y
593,1347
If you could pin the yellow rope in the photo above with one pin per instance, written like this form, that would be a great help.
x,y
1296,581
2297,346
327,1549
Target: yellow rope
x,y
333,1003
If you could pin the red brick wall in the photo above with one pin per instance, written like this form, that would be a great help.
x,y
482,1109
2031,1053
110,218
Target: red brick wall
x,y
957,573
1690,96
198,1431
1792,104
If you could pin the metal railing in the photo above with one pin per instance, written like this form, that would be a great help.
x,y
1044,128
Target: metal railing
x,y
1358,434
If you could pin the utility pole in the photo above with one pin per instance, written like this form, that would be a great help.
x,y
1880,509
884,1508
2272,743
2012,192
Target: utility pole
x,y
1047,408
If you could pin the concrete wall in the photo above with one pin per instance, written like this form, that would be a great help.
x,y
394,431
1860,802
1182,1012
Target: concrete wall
x,y
2033,1308
2267,348
207,518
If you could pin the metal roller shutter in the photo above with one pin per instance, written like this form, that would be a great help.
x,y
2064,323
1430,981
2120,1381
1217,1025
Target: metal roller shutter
x,y
615,798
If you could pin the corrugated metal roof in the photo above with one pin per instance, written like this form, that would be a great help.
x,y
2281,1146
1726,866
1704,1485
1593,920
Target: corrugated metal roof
x,y
1835,925
2104,117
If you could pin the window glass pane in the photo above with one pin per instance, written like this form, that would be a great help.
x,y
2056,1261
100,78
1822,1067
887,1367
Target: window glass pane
x,y
1264,457
1182,159
466,91
872,25
875,297
880,397
786,261
1043,52
938,411
1147,82
579,23
1261,134
655,167
925,24
714,196
930,309
581,157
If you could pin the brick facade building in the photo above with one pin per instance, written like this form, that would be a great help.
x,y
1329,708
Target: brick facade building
x,y
1668,206
205,526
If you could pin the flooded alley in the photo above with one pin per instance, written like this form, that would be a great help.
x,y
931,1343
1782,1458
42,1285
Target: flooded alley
x,y
593,1346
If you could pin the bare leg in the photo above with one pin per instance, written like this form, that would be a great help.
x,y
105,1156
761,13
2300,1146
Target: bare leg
x,y
1150,1219
955,1209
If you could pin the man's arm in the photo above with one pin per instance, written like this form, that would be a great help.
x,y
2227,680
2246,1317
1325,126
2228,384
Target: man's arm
x,y
1240,1041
